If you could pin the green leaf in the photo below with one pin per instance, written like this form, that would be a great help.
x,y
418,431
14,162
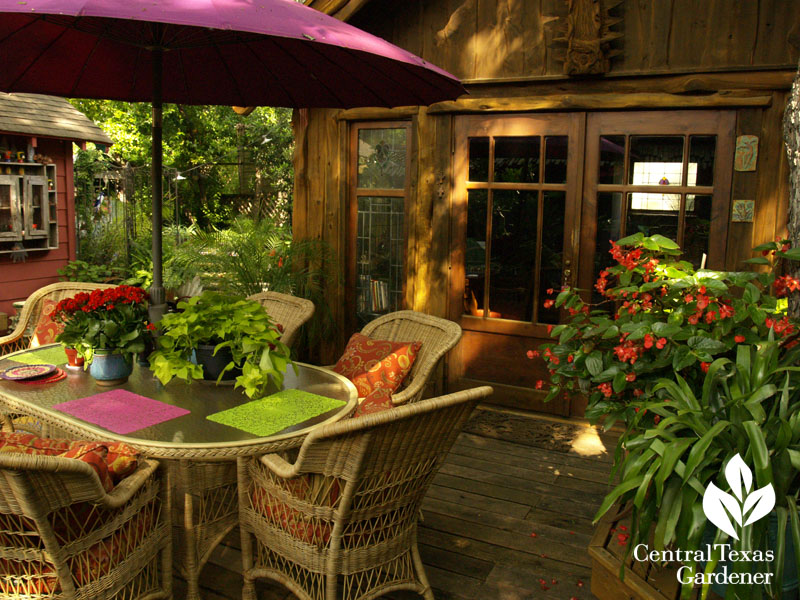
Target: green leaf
x,y
650,244
706,344
760,452
751,294
619,382
759,260
664,242
567,335
791,254
594,363
698,451
631,240
611,498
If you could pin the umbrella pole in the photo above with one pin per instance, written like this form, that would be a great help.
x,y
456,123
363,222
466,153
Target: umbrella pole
x,y
157,296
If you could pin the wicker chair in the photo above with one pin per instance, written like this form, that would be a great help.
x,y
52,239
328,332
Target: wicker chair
x,y
63,537
438,337
32,310
344,516
289,311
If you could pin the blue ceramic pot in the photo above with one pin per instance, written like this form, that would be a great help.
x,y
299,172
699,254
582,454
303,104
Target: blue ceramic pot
x,y
109,368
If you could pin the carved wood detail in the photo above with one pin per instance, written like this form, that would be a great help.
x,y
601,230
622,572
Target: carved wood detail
x,y
586,31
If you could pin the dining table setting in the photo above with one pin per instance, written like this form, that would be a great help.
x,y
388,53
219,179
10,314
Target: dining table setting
x,y
199,429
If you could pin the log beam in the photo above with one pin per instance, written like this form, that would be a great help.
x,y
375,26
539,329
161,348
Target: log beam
x,y
598,102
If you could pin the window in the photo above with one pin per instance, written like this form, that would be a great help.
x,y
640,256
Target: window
x,y
663,173
516,210
379,172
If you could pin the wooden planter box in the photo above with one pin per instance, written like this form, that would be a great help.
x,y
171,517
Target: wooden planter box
x,y
643,580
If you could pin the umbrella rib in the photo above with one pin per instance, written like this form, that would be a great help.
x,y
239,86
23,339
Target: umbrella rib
x,y
274,79
85,64
41,53
350,52
227,70
136,70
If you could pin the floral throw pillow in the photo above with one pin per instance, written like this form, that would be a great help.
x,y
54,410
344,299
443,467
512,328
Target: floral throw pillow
x,y
377,401
376,364
46,329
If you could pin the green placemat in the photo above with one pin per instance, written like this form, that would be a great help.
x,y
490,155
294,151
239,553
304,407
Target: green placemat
x,y
48,356
276,412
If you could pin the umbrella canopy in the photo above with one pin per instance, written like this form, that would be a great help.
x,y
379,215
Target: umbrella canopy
x,y
234,52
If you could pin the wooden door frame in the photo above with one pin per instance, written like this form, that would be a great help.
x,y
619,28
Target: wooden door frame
x,y
720,123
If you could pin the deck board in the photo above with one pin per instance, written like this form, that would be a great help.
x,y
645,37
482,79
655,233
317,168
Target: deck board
x,y
502,520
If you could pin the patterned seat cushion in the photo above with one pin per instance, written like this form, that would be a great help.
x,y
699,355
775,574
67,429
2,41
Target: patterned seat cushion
x,y
313,489
112,461
376,364
23,578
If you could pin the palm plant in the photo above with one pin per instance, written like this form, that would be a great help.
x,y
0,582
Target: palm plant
x,y
253,256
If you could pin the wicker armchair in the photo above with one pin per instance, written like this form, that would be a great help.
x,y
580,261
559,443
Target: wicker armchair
x,y
289,311
438,337
32,310
344,515
63,537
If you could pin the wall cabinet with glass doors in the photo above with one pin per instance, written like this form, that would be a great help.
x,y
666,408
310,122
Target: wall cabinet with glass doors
x,y
28,207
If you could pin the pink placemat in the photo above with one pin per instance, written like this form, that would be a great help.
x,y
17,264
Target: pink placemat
x,y
121,411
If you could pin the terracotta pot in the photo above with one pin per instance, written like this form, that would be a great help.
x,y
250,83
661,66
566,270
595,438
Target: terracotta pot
x,y
73,360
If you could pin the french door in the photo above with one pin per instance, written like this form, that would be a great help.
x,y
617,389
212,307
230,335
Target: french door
x,y
537,198
667,173
515,235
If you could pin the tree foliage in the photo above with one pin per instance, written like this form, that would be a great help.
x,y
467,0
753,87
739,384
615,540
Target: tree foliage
x,y
204,143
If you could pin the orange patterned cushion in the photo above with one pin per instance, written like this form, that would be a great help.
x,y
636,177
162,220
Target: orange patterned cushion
x,y
379,400
376,364
27,443
46,329
122,460
94,455
287,518
118,460
87,567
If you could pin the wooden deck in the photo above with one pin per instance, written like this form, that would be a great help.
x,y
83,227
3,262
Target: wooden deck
x,y
503,520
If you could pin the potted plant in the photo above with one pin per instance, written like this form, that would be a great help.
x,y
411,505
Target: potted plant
x,y
106,327
211,324
698,366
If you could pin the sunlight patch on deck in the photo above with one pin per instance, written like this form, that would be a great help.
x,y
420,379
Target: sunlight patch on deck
x,y
588,443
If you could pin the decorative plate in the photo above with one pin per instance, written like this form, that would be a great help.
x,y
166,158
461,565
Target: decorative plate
x,y
27,372
58,375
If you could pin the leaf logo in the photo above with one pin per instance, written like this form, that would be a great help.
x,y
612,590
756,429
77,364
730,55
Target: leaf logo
x,y
732,512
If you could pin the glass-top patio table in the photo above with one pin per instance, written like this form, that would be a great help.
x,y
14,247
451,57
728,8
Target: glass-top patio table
x,y
201,455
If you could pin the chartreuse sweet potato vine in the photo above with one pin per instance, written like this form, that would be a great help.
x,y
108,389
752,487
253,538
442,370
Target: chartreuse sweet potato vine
x,y
226,322
700,367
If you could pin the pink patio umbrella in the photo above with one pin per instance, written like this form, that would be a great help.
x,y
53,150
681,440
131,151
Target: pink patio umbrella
x,y
231,52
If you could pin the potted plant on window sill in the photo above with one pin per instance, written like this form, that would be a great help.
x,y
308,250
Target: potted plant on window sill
x,y
213,325
701,368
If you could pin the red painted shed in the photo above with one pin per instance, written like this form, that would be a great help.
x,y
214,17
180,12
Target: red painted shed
x,y
37,196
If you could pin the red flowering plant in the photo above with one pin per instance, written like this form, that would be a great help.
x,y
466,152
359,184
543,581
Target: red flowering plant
x,y
659,317
110,318
701,366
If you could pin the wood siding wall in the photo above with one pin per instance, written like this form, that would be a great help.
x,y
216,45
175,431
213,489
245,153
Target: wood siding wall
x,y
499,39
677,54
19,279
